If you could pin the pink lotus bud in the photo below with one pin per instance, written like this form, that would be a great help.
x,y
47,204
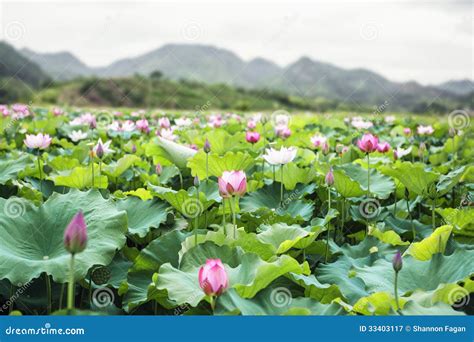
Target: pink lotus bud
x,y
100,150
232,183
251,124
383,147
207,146
158,169
407,131
75,235
325,148
252,137
329,178
397,262
196,181
368,143
143,126
213,277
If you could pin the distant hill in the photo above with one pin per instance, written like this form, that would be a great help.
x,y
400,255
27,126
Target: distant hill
x,y
14,65
60,66
461,87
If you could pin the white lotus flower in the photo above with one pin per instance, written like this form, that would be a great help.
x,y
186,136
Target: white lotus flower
x,y
280,157
401,152
183,122
167,134
77,135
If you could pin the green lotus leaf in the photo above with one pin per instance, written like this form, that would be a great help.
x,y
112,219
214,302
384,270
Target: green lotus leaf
x,y
448,181
218,164
9,168
186,203
284,237
140,287
416,274
167,152
269,197
324,293
388,236
379,303
143,215
346,186
462,219
342,273
248,273
273,301
380,185
292,175
81,178
32,238
223,142
435,243
115,170
62,163
413,176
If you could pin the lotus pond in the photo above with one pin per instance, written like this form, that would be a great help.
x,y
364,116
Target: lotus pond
x,y
167,213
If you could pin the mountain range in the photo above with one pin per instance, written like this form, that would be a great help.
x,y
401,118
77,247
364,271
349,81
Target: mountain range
x,y
211,65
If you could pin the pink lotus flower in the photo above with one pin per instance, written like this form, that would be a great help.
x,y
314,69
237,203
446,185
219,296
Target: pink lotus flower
x,y
383,147
232,183
368,143
102,148
75,235
213,277
57,112
142,125
164,122
282,131
251,124
39,141
252,137
425,130
318,140
400,152
407,131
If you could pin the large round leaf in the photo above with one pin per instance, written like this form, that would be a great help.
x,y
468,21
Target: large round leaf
x,y
32,237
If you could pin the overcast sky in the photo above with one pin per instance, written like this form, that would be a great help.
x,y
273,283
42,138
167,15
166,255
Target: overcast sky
x,y
426,41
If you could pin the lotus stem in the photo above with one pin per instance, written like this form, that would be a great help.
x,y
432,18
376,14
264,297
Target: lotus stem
x,y
207,167
281,187
48,293
92,171
196,219
232,209
40,174
395,285
433,215
368,175
327,235
411,219
70,291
